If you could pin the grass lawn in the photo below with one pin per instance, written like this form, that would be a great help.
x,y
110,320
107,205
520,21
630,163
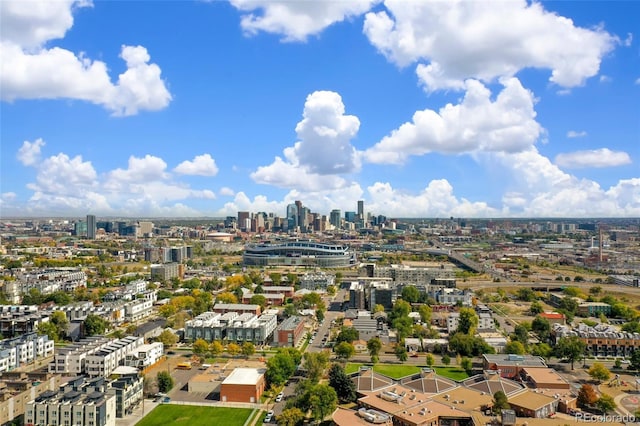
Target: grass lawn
x,y
192,415
395,371
454,373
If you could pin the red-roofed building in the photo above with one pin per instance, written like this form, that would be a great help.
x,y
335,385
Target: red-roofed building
x,y
553,317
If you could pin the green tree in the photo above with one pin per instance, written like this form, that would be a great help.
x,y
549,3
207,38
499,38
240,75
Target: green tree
x,y
430,360
446,359
259,299
500,402
606,403
323,401
315,363
526,294
168,338
571,348
165,381
347,334
468,321
290,310
401,352
514,347
536,308
599,372
425,312
542,327
279,368
276,278
587,396
466,364
344,386
290,417
521,334
248,349
200,347
374,346
49,329
410,293
378,308
344,350
95,325
542,349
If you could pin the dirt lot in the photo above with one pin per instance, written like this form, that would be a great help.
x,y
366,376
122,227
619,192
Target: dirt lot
x,y
181,377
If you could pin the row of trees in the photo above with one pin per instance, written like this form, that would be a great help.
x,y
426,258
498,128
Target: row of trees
x,y
202,348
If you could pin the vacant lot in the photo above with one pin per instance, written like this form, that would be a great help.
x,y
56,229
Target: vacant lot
x,y
190,415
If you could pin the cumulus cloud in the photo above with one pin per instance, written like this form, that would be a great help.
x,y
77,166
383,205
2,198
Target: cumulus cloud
x,y
323,151
477,124
485,40
576,134
227,192
66,185
29,152
436,200
296,20
63,175
602,157
32,23
537,187
202,165
142,170
29,70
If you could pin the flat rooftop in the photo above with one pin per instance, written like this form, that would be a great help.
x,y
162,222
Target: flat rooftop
x,y
244,376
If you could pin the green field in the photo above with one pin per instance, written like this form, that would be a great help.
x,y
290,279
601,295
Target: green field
x,y
454,373
192,415
395,371
398,371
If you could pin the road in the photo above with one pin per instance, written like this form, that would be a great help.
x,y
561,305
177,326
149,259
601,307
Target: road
x,y
324,330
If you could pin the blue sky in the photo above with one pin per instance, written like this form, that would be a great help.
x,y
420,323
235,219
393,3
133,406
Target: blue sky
x,y
422,109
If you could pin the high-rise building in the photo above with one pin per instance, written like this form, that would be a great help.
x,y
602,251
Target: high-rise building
x,y
334,218
91,227
360,209
292,216
244,221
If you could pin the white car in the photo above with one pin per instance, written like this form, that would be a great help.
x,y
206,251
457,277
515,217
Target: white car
x,y
279,397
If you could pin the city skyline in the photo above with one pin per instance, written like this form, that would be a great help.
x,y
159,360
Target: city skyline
x,y
420,109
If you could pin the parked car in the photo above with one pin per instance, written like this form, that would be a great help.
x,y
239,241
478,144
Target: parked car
x,y
279,397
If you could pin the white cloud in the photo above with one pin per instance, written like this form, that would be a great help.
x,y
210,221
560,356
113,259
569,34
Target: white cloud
x,y
637,80
628,41
296,20
538,188
31,23
576,134
29,152
29,70
477,124
8,196
62,175
485,40
605,79
227,192
323,150
140,170
602,157
436,200
202,165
